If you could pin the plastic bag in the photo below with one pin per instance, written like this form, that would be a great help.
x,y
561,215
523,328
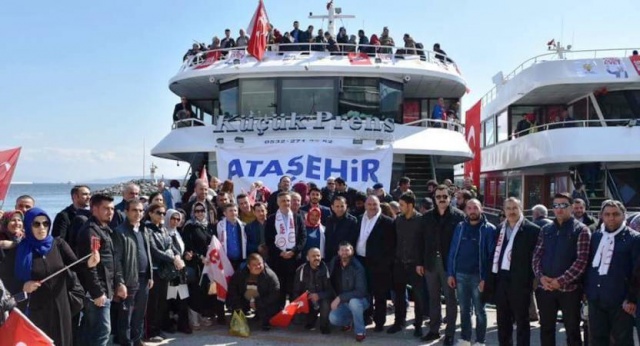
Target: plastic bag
x,y
239,325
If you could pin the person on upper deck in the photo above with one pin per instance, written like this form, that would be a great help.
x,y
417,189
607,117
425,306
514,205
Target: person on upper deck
x,y
375,42
332,46
182,110
363,40
306,37
320,39
526,125
242,40
441,54
386,40
296,32
227,41
439,112
195,49
342,38
409,44
567,120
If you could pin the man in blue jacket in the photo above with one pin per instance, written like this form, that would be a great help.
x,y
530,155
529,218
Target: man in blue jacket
x,y
470,258
608,280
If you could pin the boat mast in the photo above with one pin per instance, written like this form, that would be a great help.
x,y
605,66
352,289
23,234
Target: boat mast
x,y
333,13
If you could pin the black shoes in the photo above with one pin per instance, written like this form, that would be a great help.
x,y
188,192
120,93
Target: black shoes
x,y
448,341
378,328
417,332
431,336
394,329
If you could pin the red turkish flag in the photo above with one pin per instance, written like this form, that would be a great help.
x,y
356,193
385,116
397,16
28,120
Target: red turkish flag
x,y
8,161
284,317
259,30
218,268
18,330
472,132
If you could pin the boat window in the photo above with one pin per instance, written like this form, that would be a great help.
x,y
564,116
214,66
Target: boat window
x,y
390,100
502,192
534,194
628,186
490,132
503,127
624,104
229,98
258,96
308,96
359,96
515,187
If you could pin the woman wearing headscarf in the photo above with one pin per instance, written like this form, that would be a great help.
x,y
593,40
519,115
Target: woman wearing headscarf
x,y
40,255
197,234
178,291
315,232
11,233
167,261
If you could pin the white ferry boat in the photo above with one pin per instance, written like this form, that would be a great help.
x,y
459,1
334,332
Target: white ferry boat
x,y
559,118
362,113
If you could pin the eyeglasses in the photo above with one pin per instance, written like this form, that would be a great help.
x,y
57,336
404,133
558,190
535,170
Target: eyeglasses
x,y
441,197
161,213
175,218
560,205
198,211
38,224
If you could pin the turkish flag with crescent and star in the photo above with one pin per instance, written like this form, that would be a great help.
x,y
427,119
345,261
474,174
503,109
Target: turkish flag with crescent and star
x,y
284,317
8,161
19,330
218,268
472,132
259,31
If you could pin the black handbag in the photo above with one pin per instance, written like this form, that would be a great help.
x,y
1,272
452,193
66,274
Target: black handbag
x,y
168,271
75,292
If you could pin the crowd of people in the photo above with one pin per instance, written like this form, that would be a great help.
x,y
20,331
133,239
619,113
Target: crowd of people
x,y
319,41
350,250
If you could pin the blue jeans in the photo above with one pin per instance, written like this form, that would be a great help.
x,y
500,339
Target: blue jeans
x,y
353,311
97,323
131,315
468,295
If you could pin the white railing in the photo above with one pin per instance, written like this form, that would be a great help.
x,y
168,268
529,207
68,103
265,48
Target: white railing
x,y
342,49
187,123
436,123
558,55
577,123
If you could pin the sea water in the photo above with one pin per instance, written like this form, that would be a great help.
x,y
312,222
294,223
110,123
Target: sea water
x,y
50,197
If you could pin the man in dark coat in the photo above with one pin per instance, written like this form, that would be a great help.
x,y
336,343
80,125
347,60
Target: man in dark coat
x,y
285,236
439,224
133,249
341,226
609,280
376,248
104,281
284,185
80,195
255,286
313,277
183,110
579,213
510,282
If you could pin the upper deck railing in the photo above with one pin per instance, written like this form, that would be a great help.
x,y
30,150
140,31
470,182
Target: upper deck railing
x,y
558,55
577,123
337,49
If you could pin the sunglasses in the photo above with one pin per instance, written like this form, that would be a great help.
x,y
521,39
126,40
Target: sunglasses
x,y
161,213
442,197
560,205
199,211
38,224
175,218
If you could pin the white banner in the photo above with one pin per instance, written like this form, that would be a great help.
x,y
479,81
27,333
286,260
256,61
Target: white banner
x,y
308,161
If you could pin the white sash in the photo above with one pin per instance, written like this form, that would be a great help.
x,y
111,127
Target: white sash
x,y
603,256
285,232
506,259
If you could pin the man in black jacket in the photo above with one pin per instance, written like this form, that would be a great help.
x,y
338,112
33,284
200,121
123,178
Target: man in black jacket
x,y
341,226
579,213
349,282
285,236
80,195
313,277
284,185
105,280
511,278
133,249
439,225
347,192
408,235
376,248
255,286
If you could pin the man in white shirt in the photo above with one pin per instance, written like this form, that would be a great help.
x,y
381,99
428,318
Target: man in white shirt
x,y
375,250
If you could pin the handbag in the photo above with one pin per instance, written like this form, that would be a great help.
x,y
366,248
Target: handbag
x,y
75,292
167,271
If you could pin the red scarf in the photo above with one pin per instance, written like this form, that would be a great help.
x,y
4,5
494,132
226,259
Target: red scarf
x,y
307,220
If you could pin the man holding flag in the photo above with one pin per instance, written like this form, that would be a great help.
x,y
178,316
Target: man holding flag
x,y
255,286
313,277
